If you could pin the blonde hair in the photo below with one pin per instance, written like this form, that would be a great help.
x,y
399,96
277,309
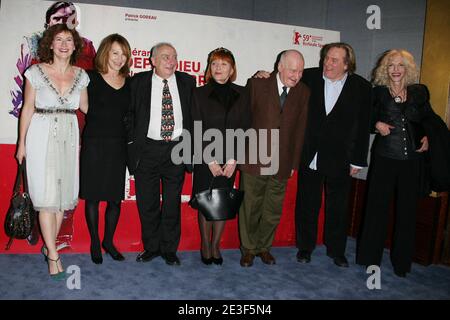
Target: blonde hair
x,y
380,74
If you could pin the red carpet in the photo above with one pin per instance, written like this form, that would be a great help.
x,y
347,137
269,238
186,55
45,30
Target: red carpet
x,y
128,232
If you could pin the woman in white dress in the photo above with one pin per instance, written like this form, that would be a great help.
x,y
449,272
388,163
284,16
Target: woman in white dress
x,y
48,133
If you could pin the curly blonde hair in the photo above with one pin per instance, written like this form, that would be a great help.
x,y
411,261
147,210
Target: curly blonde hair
x,y
380,74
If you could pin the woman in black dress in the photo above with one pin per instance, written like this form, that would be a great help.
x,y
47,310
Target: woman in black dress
x,y
221,105
400,108
103,151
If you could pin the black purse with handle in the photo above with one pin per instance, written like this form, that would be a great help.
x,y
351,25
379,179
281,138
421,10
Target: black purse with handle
x,y
218,203
21,216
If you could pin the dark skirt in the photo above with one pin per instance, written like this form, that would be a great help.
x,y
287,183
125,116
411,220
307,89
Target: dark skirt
x,y
102,169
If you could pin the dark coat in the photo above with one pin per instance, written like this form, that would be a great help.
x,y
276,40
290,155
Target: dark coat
x,y
341,138
213,113
207,108
437,160
138,116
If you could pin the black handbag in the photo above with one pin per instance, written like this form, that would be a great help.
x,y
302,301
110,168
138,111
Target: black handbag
x,y
218,203
21,216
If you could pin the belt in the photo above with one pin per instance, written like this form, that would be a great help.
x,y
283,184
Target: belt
x,y
51,111
162,142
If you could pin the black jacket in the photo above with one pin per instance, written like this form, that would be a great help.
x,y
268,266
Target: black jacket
x,y
138,116
420,120
341,138
213,113
406,118
438,152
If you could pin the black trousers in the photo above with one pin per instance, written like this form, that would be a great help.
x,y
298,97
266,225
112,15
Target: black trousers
x,y
386,176
160,222
309,199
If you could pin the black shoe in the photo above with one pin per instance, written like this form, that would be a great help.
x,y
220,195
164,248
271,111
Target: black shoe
x,y
146,256
116,255
171,258
96,254
341,261
303,256
206,261
217,261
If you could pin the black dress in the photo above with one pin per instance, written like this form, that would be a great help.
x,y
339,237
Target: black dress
x,y
218,106
103,150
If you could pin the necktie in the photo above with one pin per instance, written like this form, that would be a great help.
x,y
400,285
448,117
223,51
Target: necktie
x,y
167,120
283,96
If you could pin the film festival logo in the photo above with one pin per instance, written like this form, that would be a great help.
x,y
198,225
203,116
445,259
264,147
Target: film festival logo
x,y
235,143
308,40
296,38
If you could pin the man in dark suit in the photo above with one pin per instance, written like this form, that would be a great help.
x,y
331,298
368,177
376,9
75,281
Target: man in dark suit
x,y
279,105
159,113
336,146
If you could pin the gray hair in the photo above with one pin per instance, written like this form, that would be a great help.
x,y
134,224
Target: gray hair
x,y
286,53
159,45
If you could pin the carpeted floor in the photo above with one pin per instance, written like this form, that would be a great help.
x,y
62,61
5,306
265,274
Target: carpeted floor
x,y
25,277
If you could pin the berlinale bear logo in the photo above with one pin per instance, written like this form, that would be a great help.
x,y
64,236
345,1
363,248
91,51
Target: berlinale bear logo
x,y
297,37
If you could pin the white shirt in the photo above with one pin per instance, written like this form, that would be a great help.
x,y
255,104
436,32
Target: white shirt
x,y
332,91
281,85
154,128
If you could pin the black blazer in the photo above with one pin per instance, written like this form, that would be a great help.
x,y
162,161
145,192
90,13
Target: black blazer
x,y
341,138
207,108
138,116
408,115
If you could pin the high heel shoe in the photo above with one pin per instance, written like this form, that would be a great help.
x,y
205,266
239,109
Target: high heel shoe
x,y
206,261
217,261
96,255
116,255
56,276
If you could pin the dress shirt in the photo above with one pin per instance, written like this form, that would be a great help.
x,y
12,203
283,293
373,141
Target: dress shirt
x,y
154,129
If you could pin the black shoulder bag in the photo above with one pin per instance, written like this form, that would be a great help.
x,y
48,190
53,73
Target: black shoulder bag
x,y
21,216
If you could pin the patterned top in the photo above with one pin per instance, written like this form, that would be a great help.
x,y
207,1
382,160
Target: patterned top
x,y
49,97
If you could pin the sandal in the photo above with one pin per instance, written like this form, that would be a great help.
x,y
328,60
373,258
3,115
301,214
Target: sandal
x,y
55,276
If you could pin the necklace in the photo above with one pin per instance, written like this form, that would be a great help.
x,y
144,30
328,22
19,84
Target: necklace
x,y
398,97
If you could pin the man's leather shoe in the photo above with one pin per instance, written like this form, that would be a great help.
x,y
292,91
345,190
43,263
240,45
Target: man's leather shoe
x,y
266,257
303,256
247,260
171,258
146,256
341,261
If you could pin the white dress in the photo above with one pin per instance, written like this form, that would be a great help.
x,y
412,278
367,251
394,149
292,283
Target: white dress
x,y
52,142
